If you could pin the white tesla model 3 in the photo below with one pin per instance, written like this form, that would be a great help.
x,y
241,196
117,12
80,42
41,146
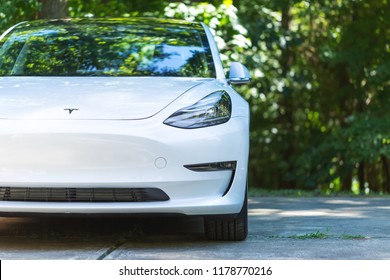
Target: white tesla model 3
x,y
122,116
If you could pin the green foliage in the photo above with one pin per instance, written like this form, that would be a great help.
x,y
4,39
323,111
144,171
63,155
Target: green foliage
x,y
115,8
314,235
319,100
14,11
354,237
223,22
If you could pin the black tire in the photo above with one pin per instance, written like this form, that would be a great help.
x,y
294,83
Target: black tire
x,y
228,227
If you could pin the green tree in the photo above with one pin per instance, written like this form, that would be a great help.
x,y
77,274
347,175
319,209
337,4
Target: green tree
x,y
318,81
14,11
115,8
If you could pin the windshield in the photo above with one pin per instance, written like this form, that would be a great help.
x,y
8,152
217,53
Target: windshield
x,y
105,48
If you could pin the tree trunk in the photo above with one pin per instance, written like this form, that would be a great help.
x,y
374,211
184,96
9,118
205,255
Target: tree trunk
x,y
52,9
361,177
346,182
373,172
387,174
286,104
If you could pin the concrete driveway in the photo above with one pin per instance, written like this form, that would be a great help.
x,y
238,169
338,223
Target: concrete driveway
x,y
279,228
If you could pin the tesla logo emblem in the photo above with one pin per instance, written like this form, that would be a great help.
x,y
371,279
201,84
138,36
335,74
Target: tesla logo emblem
x,y
70,110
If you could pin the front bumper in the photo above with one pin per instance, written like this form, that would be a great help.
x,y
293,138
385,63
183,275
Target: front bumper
x,y
124,154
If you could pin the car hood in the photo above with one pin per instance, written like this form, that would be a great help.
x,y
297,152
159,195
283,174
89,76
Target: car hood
x,y
57,98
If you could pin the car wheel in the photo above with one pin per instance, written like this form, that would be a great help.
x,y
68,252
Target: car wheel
x,y
228,227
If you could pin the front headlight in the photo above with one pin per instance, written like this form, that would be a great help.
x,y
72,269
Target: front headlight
x,y
214,109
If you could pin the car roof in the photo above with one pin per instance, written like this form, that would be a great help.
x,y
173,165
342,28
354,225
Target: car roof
x,y
139,21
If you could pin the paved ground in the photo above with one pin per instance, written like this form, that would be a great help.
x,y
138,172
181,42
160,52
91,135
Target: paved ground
x,y
280,228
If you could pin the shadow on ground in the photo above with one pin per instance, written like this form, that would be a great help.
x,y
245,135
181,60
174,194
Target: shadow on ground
x,y
279,228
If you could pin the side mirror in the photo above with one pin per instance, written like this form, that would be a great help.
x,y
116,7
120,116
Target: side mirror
x,y
238,74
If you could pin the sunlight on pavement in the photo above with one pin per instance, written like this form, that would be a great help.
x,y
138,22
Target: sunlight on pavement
x,y
348,202
306,213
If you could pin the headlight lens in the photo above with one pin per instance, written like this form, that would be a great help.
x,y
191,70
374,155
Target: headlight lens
x,y
214,109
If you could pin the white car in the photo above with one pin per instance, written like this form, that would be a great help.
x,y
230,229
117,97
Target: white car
x,y
129,116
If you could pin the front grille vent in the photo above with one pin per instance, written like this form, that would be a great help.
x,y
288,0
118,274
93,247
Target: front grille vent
x,y
82,194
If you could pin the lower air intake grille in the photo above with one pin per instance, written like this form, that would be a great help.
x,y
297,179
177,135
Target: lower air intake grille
x,y
82,194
